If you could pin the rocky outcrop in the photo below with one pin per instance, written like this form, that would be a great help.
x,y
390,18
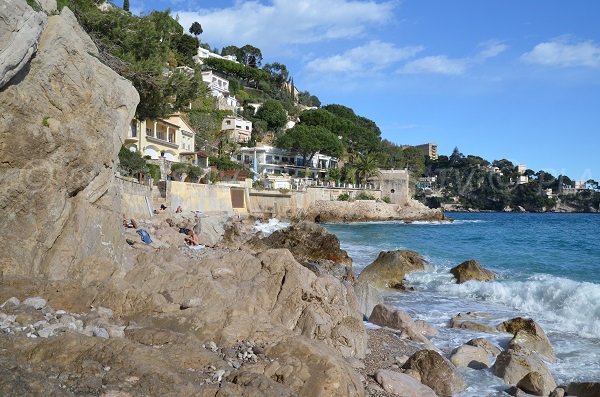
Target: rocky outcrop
x,y
470,356
20,31
307,241
529,335
387,316
65,117
402,385
535,384
364,211
390,268
368,297
583,389
471,270
491,349
436,372
512,366
467,321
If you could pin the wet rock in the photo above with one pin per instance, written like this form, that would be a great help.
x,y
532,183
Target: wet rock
x,y
528,334
583,389
391,267
402,385
387,316
36,302
512,366
535,383
514,391
436,372
491,349
470,356
471,270
558,392
465,321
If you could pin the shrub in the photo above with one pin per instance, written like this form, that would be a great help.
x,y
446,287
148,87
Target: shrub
x,y
258,185
154,172
194,172
131,163
284,191
213,176
386,199
344,197
364,196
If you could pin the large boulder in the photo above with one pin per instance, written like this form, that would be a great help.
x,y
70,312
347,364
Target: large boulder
x,y
307,241
402,385
470,356
534,383
390,268
491,349
387,316
436,372
368,297
529,335
583,389
512,366
71,113
210,229
471,270
466,321
20,32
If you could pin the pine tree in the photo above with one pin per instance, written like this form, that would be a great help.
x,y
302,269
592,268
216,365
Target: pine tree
x,y
125,5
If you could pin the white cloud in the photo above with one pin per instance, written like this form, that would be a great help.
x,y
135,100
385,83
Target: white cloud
x,y
563,53
491,49
277,24
375,55
439,64
442,64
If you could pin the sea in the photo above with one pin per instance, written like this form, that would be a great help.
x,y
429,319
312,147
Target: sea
x,y
548,268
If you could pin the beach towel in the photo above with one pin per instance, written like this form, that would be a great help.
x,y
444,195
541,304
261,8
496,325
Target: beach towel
x,y
144,235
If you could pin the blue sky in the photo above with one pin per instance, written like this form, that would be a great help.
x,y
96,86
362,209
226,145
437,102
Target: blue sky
x,y
516,79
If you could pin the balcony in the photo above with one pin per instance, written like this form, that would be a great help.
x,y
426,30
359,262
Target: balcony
x,y
162,142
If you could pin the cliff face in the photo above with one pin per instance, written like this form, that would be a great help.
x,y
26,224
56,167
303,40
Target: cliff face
x,y
64,117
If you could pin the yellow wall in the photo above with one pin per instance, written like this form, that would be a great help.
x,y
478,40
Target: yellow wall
x,y
198,197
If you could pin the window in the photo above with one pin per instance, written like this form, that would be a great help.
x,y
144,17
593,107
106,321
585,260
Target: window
x,y
149,132
239,157
269,170
247,128
276,157
269,158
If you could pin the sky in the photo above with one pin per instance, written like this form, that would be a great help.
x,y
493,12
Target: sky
x,y
514,79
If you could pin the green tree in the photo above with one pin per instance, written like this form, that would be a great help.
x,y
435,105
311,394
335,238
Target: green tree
x,y
126,5
278,72
231,50
196,29
273,113
131,163
308,140
250,56
414,160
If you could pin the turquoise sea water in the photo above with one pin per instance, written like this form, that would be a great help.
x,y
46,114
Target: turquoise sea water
x,y
548,267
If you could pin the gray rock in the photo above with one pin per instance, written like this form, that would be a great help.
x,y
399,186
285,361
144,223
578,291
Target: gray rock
x,y
36,302
368,297
512,366
11,302
583,389
470,356
104,312
20,33
100,333
436,372
491,349
534,383
558,392
402,384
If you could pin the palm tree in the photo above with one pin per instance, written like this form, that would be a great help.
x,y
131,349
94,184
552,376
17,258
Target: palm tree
x,y
366,167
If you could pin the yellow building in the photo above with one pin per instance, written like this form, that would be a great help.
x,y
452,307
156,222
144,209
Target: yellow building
x,y
161,138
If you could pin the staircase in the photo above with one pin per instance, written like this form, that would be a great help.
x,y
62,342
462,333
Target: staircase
x,y
159,195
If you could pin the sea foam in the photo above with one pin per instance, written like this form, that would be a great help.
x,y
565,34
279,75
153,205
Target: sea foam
x,y
267,228
564,305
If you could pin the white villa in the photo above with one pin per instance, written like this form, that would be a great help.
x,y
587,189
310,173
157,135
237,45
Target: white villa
x,y
203,53
269,160
238,129
219,88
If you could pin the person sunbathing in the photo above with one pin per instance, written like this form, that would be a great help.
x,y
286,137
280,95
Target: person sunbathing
x,y
179,210
192,238
129,223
